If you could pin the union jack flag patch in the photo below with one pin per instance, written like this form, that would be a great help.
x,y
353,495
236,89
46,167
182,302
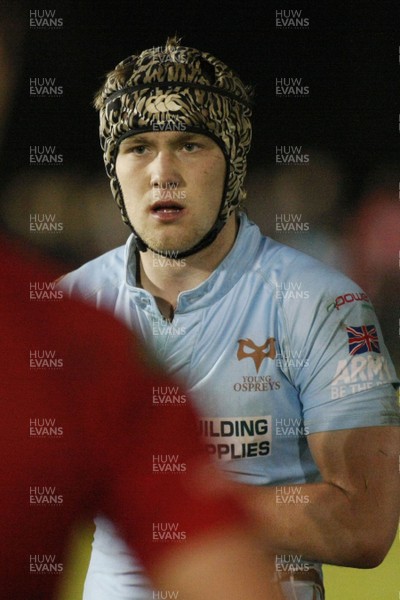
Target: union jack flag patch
x,y
363,339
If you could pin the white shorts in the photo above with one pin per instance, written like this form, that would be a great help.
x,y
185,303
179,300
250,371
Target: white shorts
x,y
302,590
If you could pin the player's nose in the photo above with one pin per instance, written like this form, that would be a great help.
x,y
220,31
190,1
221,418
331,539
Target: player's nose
x,y
164,170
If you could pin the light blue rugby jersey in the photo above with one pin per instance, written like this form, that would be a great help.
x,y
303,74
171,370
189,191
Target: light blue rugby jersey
x,y
274,345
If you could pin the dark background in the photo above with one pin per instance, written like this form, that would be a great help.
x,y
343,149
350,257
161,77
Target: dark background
x,y
348,56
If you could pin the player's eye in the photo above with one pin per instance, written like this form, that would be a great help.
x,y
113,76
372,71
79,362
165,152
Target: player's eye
x,y
191,146
138,149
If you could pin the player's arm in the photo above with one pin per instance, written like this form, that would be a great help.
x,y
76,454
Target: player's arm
x,y
226,563
349,519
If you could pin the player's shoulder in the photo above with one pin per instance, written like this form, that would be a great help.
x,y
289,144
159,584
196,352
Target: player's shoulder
x,y
103,272
284,265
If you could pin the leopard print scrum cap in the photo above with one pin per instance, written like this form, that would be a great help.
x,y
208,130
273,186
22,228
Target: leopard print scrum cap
x,y
178,88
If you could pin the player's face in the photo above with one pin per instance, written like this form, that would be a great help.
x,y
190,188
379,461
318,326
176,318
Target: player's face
x,y
172,183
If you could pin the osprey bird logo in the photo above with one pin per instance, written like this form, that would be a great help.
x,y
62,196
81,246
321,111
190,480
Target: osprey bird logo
x,y
258,352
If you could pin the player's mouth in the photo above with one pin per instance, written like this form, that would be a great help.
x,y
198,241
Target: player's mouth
x,y
167,210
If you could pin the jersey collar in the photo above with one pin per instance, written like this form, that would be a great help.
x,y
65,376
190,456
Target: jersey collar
x,y
236,263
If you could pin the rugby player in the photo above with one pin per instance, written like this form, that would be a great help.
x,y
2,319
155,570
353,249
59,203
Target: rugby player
x,y
296,389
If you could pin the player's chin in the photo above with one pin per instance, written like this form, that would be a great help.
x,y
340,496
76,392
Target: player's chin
x,y
169,251
171,243
171,247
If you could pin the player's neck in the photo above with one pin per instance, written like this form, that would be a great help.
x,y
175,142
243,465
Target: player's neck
x,y
165,278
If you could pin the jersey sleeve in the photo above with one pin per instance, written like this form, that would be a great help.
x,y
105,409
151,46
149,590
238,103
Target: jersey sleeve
x,y
347,378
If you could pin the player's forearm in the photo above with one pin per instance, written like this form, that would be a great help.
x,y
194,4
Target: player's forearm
x,y
319,522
